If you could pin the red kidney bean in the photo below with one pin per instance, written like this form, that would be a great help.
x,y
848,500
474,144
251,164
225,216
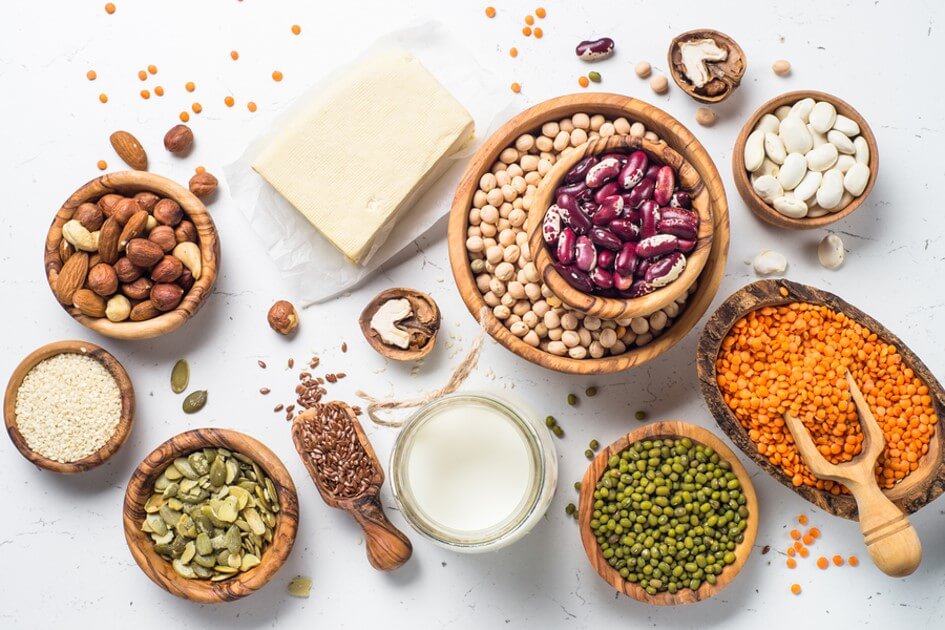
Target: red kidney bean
x,y
607,190
687,245
594,49
652,170
566,244
641,288
575,277
585,254
551,225
566,201
680,228
633,172
643,266
622,282
620,157
649,216
658,245
605,238
611,209
625,229
681,199
602,172
606,259
575,189
626,261
665,184
602,278
579,171
577,220
669,212
665,270
641,192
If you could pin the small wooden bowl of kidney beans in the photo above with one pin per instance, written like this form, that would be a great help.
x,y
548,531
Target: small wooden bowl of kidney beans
x,y
620,227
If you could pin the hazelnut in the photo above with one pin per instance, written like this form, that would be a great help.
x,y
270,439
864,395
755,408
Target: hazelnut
x,y
179,139
283,317
140,289
102,279
186,279
108,202
166,297
143,310
146,200
168,270
126,270
143,253
203,184
90,216
125,209
163,235
185,232
168,212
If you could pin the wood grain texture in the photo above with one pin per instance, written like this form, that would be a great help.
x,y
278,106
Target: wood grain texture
x,y
678,138
666,429
917,489
141,486
736,63
387,547
128,183
613,308
758,205
891,540
127,405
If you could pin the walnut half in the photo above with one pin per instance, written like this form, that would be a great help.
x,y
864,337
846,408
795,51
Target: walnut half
x,y
401,324
707,65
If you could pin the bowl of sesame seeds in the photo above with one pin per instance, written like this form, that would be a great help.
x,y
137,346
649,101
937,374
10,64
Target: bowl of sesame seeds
x,y
69,406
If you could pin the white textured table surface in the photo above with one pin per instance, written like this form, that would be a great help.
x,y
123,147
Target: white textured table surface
x,y
62,551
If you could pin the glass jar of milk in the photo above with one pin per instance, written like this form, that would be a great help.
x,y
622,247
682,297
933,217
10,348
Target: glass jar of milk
x,y
472,473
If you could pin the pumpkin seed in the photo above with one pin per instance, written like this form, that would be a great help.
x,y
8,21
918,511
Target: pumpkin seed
x,y
195,401
217,472
248,562
300,586
180,376
183,570
190,550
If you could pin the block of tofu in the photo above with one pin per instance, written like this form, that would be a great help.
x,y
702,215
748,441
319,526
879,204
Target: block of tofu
x,y
361,153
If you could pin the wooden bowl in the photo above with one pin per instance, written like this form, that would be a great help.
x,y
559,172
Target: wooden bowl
x,y
614,308
678,138
918,488
734,65
128,183
127,405
758,205
157,568
659,430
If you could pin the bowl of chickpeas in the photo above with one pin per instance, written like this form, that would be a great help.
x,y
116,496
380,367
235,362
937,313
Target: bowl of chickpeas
x,y
495,269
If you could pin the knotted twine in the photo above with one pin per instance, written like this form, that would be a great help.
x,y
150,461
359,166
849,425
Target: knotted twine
x,y
458,377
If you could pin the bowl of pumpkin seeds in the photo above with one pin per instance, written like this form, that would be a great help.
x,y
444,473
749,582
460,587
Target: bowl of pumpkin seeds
x,y
211,515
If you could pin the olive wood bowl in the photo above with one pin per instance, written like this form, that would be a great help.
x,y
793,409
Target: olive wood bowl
x,y
129,183
607,307
735,64
127,405
759,206
678,138
141,485
660,430
917,489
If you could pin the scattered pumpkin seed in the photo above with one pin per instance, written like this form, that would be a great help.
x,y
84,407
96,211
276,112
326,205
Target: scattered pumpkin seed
x,y
558,431
594,445
590,392
550,422
195,401
572,399
640,415
569,509
180,376
577,486
300,586
594,76
589,454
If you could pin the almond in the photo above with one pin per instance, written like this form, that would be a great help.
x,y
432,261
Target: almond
x,y
108,202
168,270
89,303
166,297
143,253
130,150
126,271
163,235
108,240
134,228
103,279
143,310
65,250
71,277
90,216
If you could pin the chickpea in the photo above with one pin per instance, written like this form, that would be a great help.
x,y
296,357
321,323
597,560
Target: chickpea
x,y
502,178
509,193
489,214
504,271
519,329
518,183
482,282
508,300
570,338
566,124
596,350
551,157
581,121
591,322
491,298
477,265
578,137
658,321
540,307
672,310
521,238
525,142
513,318
544,144
498,166
607,338
562,140
533,291
557,348
555,333
505,209
577,352
494,254
530,163
597,121
639,325
607,130
652,137
509,155
512,253
530,319
532,338
550,129
637,130
495,197
585,336
544,166
551,318
480,199
515,170
618,348
608,323
642,340
521,308
501,312
497,287
569,321
622,126
487,182
506,237
533,178
516,289
541,330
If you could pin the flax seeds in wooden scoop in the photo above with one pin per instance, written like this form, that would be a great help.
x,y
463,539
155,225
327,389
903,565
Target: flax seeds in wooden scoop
x,y
342,463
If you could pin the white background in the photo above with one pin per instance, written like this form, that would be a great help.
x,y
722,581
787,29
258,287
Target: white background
x,y
62,553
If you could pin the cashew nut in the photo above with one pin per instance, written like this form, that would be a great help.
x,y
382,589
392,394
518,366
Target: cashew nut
x,y
189,254
79,237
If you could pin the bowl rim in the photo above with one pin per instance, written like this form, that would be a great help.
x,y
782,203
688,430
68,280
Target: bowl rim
x,y
759,206
159,570
123,182
661,430
531,119
607,307
125,388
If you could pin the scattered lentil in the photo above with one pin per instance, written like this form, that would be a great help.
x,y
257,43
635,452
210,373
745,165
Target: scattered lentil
x,y
791,563
516,87
513,51
184,116
276,75
527,31
152,69
853,561
159,90
796,589
822,563
541,13
110,8
91,75
538,32
228,101
142,75
838,560
197,108
490,12
145,94
190,86
251,106
103,98
102,165
583,81
296,29
264,390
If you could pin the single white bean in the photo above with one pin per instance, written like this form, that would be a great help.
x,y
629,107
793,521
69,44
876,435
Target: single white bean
x,y
822,116
774,148
831,189
808,186
768,123
830,251
856,179
792,171
862,150
822,158
754,150
782,112
790,207
769,262
794,134
846,126
844,162
818,137
841,141
768,188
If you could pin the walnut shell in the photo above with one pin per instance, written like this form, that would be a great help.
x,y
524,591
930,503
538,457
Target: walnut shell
x,y
726,75
422,324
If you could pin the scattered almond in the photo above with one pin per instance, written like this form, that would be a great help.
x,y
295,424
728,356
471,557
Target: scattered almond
x,y
130,150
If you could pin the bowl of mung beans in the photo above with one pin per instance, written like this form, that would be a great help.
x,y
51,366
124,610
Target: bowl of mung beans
x,y
668,515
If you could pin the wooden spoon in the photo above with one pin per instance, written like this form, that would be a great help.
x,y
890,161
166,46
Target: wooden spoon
x,y
387,547
890,538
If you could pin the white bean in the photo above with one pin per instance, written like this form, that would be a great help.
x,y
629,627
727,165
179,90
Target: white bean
x,y
795,136
808,186
754,150
841,141
792,171
822,116
862,150
768,188
856,179
774,148
803,108
768,123
846,126
822,158
790,207
831,189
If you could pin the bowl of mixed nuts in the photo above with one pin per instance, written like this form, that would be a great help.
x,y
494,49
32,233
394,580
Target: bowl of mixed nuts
x,y
132,255
211,515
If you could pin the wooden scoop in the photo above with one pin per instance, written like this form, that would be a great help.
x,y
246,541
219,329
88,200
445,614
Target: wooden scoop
x,y
891,540
387,547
